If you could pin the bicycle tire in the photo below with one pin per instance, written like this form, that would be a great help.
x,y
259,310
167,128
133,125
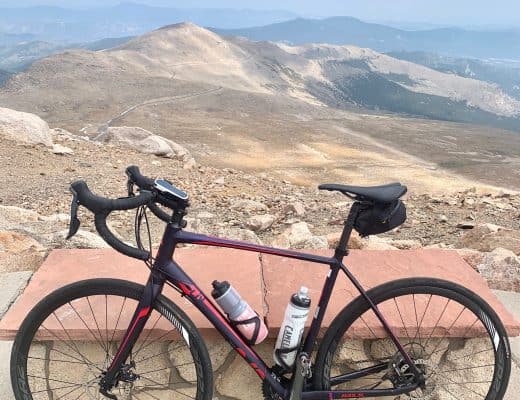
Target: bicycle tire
x,y
128,293
343,326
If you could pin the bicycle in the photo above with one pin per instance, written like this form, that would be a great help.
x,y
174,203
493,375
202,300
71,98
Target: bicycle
x,y
424,359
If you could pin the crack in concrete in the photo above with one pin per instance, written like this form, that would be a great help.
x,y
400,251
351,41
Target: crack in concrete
x,y
264,287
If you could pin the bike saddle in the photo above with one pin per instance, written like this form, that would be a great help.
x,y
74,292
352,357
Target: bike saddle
x,y
379,194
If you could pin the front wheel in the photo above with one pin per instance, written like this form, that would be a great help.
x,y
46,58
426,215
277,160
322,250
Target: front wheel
x,y
67,342
454,338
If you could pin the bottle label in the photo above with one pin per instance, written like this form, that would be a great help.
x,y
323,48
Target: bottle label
x,y
287,335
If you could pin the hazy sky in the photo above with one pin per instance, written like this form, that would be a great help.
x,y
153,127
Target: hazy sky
x,y
462,12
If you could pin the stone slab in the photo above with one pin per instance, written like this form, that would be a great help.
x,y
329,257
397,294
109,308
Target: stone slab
x,y
66,266
284,276
11,285
511,301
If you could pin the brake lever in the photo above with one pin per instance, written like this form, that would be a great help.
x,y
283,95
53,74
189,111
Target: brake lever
x,y
130,187
74,220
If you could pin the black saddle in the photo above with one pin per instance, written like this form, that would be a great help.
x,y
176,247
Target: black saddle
x,y
379,194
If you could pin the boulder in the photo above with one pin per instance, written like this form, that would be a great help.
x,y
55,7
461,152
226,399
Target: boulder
x,y
19,252
24,127
11,216
377,243
248,206
487,237
296,208
61,150
354,242
239,234
471,256
146,142
501,269
81,240
260,222
298,235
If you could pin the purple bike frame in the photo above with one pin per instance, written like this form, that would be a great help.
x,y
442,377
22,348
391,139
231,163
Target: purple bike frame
x,y
165,269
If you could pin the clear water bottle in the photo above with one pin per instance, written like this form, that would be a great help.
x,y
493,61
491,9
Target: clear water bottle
x,y
240,313
291,330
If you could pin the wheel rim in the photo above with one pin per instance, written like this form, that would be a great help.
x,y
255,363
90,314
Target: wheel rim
x,y
74,345
448,336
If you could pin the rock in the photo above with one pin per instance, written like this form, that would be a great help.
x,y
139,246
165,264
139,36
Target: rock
x,y
472,257
487,237
501,269
239,234
146,142
190,164
24,127
405,244
298,235
157,163
12,216
81,240
205,215
248,206
377,243
296,208
260,222
219,181
443,218
465,225
354,242
19,252
61,150
60,217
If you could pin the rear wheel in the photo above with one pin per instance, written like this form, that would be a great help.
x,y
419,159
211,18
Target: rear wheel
x,y
454,338
68,340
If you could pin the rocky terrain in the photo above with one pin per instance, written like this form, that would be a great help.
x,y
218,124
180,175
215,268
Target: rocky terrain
x,y
484,224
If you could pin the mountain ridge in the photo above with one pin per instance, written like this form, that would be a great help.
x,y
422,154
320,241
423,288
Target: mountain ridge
x,y
349,30
339,76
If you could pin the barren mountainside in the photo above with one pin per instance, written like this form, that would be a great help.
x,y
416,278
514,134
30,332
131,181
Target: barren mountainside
x,y
341,76
302,112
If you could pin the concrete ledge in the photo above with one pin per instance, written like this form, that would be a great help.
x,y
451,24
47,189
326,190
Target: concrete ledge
x,y
266,282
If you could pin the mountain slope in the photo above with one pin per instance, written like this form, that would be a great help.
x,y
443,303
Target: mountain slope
x,y
185,55
506,74
348,30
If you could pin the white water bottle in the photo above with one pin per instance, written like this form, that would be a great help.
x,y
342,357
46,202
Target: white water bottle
x,y
291,330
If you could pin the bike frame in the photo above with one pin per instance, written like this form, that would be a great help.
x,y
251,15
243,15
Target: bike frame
x,y
165,269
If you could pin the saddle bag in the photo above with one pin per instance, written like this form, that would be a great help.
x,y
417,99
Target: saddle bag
x,y
380,217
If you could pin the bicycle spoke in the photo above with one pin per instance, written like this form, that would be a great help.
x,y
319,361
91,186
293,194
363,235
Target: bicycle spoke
x,y
437,323
148,335
95,320
58,388
85,359
86,326
159,354
448,330
422,319
50,360
66,394
118,317
160,385
402,320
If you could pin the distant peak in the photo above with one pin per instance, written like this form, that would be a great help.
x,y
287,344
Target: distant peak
x,y
180,25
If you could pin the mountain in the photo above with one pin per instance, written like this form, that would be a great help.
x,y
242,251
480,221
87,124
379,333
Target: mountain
x,y
306,113
9,39
343,77
56,24
20,56
506,74
4,76
347,30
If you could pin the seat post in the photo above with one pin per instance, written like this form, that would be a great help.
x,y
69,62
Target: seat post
x,y
342,247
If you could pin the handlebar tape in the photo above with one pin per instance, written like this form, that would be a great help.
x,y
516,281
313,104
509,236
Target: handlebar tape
x,y
102,206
